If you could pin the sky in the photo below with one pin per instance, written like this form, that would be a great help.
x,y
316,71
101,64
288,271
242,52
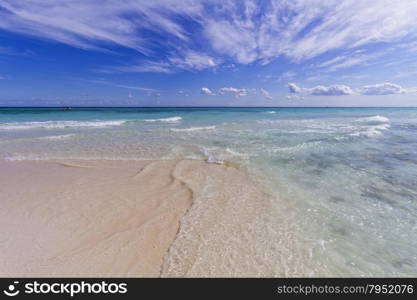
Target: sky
x,y
208,53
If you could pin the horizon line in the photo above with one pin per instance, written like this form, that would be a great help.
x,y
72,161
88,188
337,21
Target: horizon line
x,y
207,106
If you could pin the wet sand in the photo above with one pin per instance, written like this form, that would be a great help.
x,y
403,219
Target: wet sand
x,y
88,218
161,218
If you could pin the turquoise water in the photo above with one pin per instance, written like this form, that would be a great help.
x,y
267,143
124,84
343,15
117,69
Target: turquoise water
x,y
346,176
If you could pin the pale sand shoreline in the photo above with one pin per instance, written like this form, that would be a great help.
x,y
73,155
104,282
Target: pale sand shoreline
x,y
88,218
160,218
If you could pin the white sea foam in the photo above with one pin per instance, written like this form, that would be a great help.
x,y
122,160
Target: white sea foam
x,y
21,157
267,122
212,156
220,155
190,129
271,112
382,127
214,160
59,124
373,120
236,153
371,126
371,131
169,120
57,137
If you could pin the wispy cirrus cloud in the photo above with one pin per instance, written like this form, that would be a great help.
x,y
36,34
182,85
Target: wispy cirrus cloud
x,y
201,34
286,76
266,94
123,86
193,60
301,30
144,67
190,60
348,60
9,51
96,24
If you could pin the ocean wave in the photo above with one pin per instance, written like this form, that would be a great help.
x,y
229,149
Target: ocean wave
x,y
217,155
296,148
271,112
373,120
59,124
267,121
367,133
371,131
169,120
11,157
371,126
190,129
237,154
214,160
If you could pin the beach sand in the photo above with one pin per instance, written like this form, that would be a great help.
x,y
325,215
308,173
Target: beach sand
x,y
88,218
168,218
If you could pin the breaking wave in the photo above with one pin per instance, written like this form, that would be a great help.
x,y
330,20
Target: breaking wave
x,y
372,126
169,120
59,124
373,120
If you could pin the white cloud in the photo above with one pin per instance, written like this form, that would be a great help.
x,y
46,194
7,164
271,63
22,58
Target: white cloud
x,y
294,88
286,76
95,24
266,94
207,91
338,89
123,86
191,60
386,88
317,77
342,62
194,61
357,58
304,29
320,90
242,31
183,93
237,92
355,76
153,94
146,67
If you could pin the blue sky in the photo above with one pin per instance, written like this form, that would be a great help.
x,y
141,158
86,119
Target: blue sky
x,y
208,53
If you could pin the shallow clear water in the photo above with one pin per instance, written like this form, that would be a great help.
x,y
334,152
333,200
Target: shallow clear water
x,y
348,176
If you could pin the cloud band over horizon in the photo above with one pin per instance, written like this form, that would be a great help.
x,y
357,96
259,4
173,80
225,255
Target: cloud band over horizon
x,y
386,88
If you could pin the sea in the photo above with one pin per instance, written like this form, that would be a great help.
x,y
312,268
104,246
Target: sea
x,y
345,179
